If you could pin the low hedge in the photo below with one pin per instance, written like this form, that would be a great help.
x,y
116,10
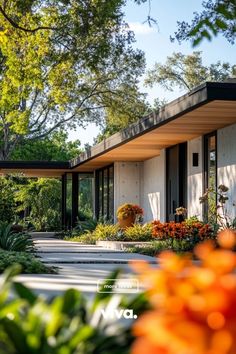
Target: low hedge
x,y
29,263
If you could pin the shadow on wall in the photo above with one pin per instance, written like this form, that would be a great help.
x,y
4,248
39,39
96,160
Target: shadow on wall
x,y
195,191
227,176
155,206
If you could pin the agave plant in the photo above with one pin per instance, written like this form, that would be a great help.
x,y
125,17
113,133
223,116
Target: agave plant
x,y
12,241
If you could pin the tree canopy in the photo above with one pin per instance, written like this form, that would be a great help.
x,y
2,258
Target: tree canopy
x,y
63,64
218,16
54,147
187,71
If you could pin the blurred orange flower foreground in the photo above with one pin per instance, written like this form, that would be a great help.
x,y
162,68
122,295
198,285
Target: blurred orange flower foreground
x,y
194,302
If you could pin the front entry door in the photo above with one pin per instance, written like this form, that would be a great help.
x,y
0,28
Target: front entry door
x,y
176,182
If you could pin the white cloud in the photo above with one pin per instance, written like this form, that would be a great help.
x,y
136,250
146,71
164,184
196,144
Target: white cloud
x,y
141,28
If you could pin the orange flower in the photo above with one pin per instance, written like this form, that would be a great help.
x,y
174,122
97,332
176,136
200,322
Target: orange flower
x,y
194,304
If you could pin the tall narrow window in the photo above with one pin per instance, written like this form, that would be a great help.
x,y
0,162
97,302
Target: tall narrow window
x,y
105,193
210,148
86,194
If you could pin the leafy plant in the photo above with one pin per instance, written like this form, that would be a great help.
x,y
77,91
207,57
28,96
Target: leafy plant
x,y
215,201
7,202
12,241
156,247
193,302
28,263
68,324
84,226
106,232
126,210
42,197
138,233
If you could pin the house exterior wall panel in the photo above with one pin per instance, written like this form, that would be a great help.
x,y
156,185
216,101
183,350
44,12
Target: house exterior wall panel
x,y
195,178
153,193
226,164
126,183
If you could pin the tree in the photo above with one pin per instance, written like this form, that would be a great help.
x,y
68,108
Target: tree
x,y
42,197
187,71
7,201
218,17
52,148
63,64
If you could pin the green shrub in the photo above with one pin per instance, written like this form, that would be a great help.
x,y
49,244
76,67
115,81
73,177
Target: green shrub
x,y
67,324
84,226
106,232
87,238
13,241
29,264
109,232
7,202
156,247
138,233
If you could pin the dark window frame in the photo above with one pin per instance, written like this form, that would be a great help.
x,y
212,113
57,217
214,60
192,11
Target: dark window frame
x,y
99,209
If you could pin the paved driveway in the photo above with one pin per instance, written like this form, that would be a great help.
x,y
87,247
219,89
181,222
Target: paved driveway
x,y
80,266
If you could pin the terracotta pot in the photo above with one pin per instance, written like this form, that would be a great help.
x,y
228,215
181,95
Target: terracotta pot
x,y
127,222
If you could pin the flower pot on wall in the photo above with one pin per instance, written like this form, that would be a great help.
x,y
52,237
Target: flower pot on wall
x,y
127,222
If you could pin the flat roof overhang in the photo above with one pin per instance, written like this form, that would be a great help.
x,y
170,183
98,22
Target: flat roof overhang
x,y
209,107
35,168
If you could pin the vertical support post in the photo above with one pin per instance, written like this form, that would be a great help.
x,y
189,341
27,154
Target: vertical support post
x,y
75,198
63,201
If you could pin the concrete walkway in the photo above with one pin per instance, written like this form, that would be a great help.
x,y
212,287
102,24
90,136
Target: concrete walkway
x,y
80,266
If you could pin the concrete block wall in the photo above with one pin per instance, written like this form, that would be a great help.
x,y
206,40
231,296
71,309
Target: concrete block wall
x,y
195,178
226,164
126,183
153,188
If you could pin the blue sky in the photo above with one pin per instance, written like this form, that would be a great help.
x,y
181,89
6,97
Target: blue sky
x,y
156,44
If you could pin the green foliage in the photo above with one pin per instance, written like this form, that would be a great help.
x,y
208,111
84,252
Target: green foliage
x,y
28,263
218,17
52,148
215,201
87,238
187,71
138,233
42,197
63,64
12,241
81,227
106,232
7,202
68,324
156,247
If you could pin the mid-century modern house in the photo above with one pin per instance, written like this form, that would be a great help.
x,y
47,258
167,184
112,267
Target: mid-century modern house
x,y
164,161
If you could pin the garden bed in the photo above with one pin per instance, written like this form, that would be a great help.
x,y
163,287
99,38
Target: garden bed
x,y
29,263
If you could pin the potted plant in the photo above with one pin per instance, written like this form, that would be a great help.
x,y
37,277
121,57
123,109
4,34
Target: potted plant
x,y
128,214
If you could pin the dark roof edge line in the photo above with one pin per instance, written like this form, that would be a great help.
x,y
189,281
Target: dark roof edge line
x,y
34,165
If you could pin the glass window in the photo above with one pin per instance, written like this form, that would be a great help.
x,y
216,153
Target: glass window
x,y
111,193
105,193
86,194
210,173
68,199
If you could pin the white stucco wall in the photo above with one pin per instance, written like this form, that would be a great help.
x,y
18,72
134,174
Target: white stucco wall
x,y
226,141
153,188
195,178
126,183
